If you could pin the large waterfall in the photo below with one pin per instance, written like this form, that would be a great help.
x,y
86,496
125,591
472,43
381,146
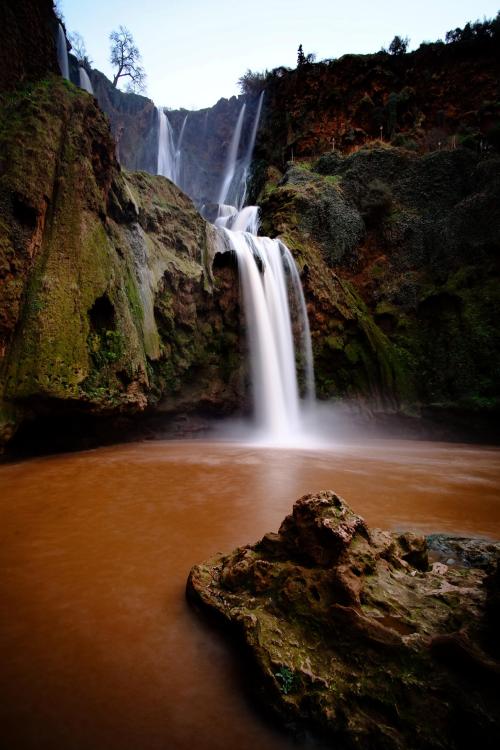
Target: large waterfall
x,y
278,334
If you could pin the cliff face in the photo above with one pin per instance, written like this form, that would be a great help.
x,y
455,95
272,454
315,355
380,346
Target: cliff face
x,y
114,300
133,121
28,30
108,298
206,136
422,99
410,247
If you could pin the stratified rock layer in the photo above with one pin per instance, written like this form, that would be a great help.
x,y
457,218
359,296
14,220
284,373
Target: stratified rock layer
x,y
355,635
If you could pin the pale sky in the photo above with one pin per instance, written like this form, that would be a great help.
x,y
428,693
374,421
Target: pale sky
x,y
194,51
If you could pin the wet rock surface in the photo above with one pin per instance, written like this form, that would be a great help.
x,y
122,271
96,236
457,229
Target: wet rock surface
x,y
355,635
110,305
399,262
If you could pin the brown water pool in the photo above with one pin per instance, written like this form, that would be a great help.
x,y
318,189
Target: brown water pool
x,y
98,648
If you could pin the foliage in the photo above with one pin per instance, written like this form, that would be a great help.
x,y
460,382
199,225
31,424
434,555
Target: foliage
x,y
79,50
251,83
286,679
376,202
303,59
474,32
125,56
399,45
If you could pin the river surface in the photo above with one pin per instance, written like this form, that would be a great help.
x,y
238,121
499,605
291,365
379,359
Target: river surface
x,y
98,648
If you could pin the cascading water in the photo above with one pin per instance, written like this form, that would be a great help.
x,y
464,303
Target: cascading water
x,y
272,294
166,150
231,158
62,53
85,80
242,190
269,277
178,156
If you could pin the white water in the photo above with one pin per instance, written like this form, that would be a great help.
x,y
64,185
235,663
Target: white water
x,y
62,53
268,278
166,150
85,81
271,290
232,157
242,190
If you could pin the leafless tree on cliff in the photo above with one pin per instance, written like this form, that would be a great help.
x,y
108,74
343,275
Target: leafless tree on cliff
x,y
126,57
79,50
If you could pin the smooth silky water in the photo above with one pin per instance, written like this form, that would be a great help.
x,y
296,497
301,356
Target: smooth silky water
x,y
98,647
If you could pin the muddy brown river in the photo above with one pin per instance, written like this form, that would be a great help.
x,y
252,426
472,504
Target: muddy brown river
x,y
98,648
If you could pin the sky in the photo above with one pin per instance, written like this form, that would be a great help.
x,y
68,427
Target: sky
x,y
193,51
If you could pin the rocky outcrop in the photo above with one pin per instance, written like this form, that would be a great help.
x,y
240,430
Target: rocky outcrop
x,y
109,303
400,264
353,633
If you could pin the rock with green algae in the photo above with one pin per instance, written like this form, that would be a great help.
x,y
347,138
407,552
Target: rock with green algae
x,y
109,304
400,259
355,635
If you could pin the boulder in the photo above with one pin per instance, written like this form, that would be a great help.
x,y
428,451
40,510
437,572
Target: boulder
x,y
361,635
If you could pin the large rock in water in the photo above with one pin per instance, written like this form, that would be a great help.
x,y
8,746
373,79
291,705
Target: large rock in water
x,y
356,635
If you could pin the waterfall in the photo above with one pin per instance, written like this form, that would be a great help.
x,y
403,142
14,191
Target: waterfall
x,y
306,353
85,80
62,53
178,156
242,191
279,339
269,278
166,150
265,299
232,157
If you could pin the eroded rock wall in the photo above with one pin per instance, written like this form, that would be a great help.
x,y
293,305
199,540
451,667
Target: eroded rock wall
x,y
399,254
109,303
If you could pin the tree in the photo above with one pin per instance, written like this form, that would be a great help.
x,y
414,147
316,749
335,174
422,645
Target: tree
x,y
252,83
301,58
79,50
399,45
127,59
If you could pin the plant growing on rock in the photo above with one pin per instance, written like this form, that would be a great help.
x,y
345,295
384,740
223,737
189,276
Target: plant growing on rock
x,y
80,50
376,202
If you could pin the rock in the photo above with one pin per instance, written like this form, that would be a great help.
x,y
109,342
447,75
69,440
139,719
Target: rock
x,y
401,280
354,635
111,303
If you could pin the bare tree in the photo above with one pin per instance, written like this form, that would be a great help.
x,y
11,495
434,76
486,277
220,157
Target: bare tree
x,y
79,50
127,59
